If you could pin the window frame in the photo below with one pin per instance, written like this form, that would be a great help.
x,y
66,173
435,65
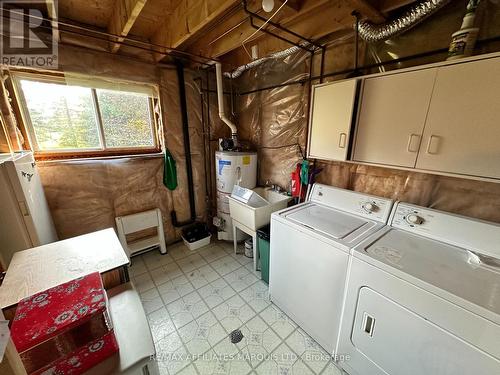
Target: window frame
x,y
103,150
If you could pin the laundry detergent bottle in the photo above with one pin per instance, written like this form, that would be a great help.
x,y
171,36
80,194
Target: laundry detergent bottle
x,y
463,41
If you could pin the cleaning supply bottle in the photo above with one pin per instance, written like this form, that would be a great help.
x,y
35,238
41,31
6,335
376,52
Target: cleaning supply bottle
x,y
463,41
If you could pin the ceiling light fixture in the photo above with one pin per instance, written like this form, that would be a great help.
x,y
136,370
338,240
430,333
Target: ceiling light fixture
x,y
268,5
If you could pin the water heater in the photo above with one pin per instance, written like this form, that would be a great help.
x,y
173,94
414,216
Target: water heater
x,y
232,168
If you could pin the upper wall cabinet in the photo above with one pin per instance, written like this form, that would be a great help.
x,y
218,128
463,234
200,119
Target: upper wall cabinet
x,y
462,132
331,116
392,116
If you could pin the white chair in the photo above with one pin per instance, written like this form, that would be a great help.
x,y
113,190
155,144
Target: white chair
x,y
139,222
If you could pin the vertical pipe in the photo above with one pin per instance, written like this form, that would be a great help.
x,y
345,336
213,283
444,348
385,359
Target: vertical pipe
x,y
204,137
232,97
220,99
210,143
309,101
187,149
322,69
356,42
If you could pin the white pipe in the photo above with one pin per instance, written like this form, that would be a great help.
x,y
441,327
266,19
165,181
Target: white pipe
x,y
220,99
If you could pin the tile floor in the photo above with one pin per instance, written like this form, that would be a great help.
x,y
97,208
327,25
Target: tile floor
x,y
193,300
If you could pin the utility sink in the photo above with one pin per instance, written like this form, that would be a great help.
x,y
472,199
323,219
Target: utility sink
x,y
253,208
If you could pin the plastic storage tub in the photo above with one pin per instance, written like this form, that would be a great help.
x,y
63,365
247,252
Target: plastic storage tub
x,y
196,236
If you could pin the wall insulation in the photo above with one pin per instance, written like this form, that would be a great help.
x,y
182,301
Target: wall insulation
x,y
11,138
276,119
87,195
4,141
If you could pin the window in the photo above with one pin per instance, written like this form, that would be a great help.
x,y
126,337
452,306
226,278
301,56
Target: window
x,y
78,116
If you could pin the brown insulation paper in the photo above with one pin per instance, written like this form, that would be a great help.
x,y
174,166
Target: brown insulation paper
x,y
11,139
169,97
273,121
87,195
278,117
4,142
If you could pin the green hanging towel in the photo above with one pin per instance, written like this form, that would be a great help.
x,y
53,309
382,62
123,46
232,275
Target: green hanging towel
x,y
304,172
169,171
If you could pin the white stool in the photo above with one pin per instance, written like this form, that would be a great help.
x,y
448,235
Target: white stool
x,y
138,222
137,351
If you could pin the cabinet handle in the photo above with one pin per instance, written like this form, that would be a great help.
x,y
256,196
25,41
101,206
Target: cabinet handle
x,y
410,142
433,145
342,139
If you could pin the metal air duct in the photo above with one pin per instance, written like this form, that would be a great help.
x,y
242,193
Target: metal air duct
x,y
375,33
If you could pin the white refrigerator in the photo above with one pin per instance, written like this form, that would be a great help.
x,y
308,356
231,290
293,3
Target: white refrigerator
x,y
25,219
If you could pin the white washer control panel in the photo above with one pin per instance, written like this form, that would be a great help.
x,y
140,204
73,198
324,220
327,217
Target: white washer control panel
x,y
472,234
373,208
414,219
368,206
407,217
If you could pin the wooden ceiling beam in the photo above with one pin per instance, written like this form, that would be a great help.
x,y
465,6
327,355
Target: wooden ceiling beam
x,y
294,4
316,19
188,21
367,10
390,5
123,18
314,11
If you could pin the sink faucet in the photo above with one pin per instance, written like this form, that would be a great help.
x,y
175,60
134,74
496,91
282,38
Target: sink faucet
x,y
273,187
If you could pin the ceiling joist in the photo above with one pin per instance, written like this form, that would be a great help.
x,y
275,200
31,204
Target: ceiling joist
x,y
123,18
390,5
314,10
316,19
294,4
367,10
213,28
189,20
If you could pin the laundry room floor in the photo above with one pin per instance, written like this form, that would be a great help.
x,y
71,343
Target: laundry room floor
x,y
194,300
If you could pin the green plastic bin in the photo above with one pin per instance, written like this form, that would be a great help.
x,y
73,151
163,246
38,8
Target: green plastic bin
x,y
264,235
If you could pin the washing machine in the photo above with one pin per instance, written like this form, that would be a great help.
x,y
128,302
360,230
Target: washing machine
x,y
423,297
309,255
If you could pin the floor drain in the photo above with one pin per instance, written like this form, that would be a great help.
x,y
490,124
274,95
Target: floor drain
x,y
236,336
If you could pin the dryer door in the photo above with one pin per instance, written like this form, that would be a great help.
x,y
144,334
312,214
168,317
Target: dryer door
x,y
397,341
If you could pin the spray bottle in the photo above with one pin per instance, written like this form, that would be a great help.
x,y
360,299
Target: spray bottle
x,y
463,41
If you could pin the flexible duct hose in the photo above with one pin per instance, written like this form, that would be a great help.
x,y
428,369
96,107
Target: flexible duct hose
x,y
416,14
278,55
367,30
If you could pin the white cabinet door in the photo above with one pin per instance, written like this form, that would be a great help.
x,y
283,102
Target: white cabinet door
x,y
392,117
462,132
331,117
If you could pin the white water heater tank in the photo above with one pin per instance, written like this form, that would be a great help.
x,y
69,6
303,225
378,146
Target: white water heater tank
x,y
232,168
